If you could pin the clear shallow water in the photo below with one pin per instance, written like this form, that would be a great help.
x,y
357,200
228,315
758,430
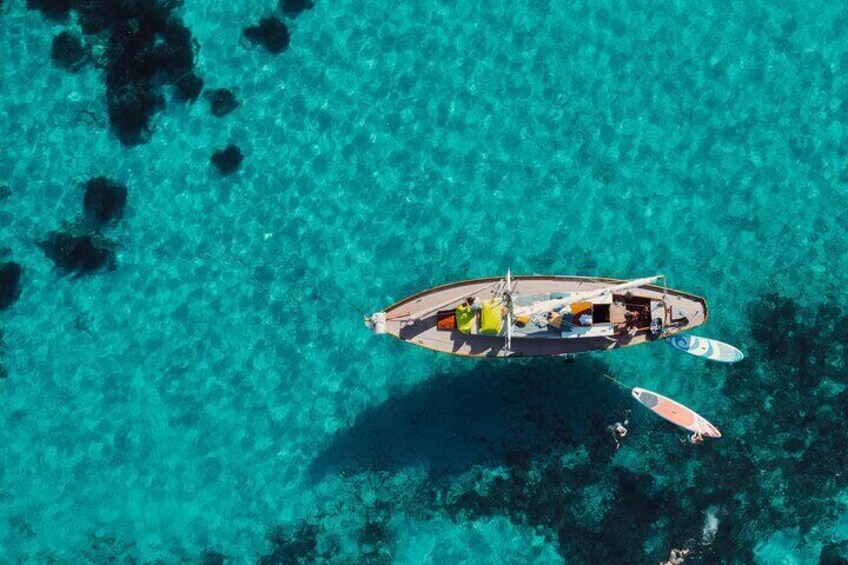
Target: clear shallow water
x,y
219,383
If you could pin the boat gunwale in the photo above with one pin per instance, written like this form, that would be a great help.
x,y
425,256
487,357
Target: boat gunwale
x,y
516,278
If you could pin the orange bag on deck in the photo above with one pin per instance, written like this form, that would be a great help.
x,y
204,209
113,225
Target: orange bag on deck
x,y
446,320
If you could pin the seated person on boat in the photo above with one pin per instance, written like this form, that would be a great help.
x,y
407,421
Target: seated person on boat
x,y
466,314
465,317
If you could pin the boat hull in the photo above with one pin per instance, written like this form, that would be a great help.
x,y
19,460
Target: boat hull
x,y
414,318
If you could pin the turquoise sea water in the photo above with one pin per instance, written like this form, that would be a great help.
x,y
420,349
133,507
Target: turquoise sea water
x,y
216,397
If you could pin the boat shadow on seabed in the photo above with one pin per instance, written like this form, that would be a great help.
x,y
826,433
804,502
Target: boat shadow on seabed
x,y
496,413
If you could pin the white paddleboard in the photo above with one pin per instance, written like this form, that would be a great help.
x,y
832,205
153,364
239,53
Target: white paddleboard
x,y
707,348
675,412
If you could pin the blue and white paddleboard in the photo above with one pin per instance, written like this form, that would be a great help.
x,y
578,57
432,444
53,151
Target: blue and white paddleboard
x,y
707,348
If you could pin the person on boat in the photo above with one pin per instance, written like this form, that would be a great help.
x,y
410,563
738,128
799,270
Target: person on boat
x,y
630,320
466,314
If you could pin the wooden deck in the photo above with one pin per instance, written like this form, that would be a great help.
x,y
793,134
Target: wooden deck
x,y
413,319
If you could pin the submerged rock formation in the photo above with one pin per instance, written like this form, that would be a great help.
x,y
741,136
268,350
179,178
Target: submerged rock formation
x,y
227,160
209,557
295,7
300,546
68,52
104,199
52,9
78,251
834,553
147,47
222,101
188,88
10,283
271,33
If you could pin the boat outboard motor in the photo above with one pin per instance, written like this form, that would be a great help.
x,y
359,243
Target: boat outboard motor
x,y
377,323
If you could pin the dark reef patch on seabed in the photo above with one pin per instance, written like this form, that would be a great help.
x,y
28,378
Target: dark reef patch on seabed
x,y
295,7
222,101
209,557
271,33
188,88
10,292
10,283
79,250
227,160
300,546
780,464
312,542
147,47
68,52
834,553
104,200
306,542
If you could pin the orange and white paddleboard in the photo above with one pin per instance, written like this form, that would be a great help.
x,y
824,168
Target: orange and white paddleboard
x,y
675,412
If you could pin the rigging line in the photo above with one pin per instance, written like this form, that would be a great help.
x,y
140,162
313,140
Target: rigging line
x,y
351,304
616,381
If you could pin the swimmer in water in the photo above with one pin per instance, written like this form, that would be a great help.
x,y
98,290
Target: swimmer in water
x,y
677,557
618,431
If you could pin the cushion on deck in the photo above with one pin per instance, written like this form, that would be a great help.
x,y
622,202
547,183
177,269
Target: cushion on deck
x,y
445,320
581,308
491,318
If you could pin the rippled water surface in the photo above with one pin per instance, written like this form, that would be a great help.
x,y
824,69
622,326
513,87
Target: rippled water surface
x,y
213,397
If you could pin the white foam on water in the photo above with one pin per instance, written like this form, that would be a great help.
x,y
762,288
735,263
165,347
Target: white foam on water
x,y
711,523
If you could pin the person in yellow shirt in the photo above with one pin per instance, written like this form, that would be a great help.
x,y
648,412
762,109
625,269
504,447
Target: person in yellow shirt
x,y
466,313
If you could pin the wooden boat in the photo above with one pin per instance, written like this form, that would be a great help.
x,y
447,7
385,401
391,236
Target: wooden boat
x,y
540,315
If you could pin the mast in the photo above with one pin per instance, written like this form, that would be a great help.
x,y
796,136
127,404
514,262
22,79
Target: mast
x,y
508,300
